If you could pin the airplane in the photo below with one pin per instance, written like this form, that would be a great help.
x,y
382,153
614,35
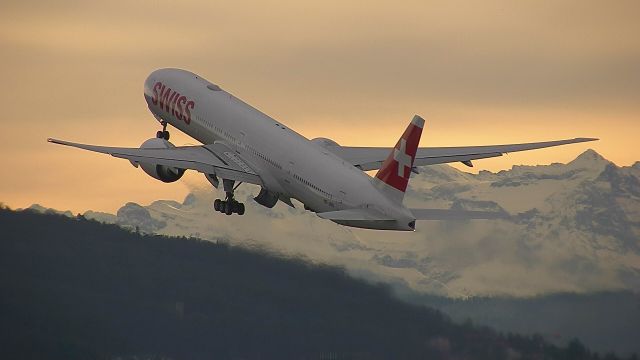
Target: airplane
x,y
243,145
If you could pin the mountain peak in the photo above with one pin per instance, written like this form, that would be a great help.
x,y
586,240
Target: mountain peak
x,y
589,158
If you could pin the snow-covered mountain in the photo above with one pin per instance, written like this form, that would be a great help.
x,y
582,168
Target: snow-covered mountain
x,y
575,227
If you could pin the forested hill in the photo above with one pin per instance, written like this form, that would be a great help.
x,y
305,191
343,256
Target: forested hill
x,y
78,289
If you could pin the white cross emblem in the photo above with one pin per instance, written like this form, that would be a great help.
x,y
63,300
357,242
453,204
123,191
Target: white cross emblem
x,y
401,156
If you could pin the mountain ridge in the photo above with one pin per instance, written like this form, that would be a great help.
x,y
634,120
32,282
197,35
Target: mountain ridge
x,y
574,229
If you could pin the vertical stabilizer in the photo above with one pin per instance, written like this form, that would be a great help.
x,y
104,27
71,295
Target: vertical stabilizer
x,y
393,176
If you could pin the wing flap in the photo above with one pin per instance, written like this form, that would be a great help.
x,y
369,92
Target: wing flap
x,y
208,159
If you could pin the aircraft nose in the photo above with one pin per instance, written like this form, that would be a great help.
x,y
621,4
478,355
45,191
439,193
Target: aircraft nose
x,y
148,88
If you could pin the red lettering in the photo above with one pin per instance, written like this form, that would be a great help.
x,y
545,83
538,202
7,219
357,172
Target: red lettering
x,y
173,104
180,112
156,87
163,95
190,104
164,103
169,105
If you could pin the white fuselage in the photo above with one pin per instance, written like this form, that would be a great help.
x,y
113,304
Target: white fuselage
x,y
288,163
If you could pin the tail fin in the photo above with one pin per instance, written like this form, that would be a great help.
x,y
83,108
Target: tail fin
x,y
393,176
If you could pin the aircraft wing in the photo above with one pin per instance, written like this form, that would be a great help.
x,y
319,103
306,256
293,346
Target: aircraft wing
x,y
371,158
209,159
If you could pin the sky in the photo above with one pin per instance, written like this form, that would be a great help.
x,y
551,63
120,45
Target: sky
x,y
479,72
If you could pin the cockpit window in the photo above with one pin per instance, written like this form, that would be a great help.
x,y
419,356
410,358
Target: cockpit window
x,y
213,87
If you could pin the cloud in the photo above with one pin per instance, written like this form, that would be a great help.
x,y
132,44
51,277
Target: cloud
x,y
548,249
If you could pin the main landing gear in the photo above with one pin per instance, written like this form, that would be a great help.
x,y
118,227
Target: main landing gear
x,y
163,134
230,205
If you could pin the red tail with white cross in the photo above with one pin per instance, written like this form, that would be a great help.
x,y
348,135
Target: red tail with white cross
x,y
396,169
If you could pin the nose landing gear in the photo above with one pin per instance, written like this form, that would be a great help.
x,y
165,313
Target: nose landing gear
x,y
163,134
230,205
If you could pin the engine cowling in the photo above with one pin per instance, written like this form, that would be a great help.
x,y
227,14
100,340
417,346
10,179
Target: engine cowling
x,y
266,198
163,173
325,143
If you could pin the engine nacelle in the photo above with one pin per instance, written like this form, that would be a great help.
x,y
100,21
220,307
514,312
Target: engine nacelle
x,y
163,173
266,198
325,143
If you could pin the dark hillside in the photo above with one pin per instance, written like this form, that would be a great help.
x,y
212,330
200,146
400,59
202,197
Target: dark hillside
x,y
78,289
604,321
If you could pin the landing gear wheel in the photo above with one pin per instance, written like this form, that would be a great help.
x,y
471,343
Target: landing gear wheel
x,y
163,134
229,205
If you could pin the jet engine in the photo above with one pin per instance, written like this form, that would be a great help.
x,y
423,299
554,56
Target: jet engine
x,y
163,173
266,198
325,143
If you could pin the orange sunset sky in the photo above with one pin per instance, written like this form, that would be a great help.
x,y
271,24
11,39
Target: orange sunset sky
x,y
479,72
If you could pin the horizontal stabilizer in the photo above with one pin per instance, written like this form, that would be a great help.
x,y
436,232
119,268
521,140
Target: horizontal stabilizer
x,y
354,215
448,214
